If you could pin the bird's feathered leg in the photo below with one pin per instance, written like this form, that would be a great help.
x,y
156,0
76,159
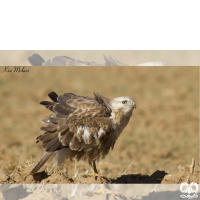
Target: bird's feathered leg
x,y
94,167
41,162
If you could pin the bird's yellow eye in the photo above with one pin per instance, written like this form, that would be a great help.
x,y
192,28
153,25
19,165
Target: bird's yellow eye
x,y
124,102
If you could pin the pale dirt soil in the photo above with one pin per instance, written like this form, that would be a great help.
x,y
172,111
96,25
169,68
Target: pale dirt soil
x,y
161,136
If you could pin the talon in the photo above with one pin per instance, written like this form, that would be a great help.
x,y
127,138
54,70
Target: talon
x,y
95,175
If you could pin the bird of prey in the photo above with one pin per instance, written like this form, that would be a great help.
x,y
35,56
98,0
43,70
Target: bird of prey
x,y
82,128
37,60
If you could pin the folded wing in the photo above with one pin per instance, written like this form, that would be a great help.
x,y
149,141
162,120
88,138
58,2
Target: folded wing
x,y
78,122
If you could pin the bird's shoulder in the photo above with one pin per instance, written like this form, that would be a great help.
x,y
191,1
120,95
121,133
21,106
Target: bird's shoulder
x,y
77,107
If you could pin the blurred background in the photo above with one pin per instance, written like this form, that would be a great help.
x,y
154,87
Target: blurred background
x,y
130,57
161,135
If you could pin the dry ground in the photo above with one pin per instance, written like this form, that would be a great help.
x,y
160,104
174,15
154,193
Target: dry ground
x,y
161,135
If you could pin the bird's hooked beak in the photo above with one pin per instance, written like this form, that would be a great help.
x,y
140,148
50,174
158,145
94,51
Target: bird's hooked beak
x,y
134,104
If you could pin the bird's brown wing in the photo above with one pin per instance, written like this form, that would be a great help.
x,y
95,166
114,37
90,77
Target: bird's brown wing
x,y
77,122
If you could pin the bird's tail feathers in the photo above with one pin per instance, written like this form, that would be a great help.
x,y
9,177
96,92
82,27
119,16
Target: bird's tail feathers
x,y
41,162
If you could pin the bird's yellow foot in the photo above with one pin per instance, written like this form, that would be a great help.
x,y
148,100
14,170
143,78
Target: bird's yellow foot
x,y
95,175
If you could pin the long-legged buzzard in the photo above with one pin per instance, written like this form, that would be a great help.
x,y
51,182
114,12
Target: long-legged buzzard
x,y
82,128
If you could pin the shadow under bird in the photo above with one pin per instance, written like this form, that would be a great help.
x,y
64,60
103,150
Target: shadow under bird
x,y
82,128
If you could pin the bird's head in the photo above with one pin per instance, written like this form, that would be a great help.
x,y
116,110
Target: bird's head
x,y
124,104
